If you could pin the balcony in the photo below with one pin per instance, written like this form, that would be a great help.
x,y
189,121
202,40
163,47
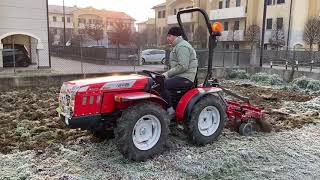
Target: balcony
x,y
232,36
228,13
185,18
60,24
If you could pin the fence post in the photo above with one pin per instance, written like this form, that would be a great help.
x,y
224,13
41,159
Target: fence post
x,y
223,58
81,57
14,55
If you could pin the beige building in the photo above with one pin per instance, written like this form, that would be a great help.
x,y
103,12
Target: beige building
x,y
244,13
238,15
160,22
78,18
166,17
149,24
233,15
56,23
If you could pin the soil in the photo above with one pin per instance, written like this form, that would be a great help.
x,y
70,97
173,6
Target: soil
x,y
272,101
33,139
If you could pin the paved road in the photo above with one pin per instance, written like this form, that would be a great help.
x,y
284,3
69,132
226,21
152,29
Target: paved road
x,y
66,66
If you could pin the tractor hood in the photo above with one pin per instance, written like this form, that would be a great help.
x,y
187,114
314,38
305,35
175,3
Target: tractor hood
x,y
133,81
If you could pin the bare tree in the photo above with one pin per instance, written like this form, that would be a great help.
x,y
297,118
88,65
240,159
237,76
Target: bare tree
x,y
163,40
95,32
121,34
311,32
150,35
200,37
277,39
253,35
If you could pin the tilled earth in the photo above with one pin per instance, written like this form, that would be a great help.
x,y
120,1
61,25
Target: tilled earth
x,y
34,144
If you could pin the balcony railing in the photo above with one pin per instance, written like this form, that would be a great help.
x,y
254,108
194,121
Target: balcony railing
x,y
232,36
60,24
228,13
184,18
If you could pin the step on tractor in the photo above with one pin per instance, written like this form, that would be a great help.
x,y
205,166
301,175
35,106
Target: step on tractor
x,y
130,107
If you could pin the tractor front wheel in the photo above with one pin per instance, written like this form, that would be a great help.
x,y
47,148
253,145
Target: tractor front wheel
x,y
207,120
142,131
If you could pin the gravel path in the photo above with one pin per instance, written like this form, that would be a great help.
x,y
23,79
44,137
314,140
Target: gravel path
x,y
284,155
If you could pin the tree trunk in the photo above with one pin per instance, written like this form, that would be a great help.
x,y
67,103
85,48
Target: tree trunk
x,y
118,50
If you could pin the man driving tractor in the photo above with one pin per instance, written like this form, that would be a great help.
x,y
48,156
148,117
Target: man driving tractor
x,y
183,63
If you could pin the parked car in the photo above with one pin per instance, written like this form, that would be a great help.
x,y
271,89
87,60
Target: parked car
x,y
22,57
153,56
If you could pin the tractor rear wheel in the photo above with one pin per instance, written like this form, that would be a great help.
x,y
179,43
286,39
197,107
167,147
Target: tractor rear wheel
x,y
207,120
142,131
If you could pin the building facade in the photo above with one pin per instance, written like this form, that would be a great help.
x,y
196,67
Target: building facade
x,y
57,25
166,17
286,19
149,24
77,19
26,24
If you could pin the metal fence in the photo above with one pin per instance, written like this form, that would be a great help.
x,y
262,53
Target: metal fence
x,y
297,59
225,58
86,60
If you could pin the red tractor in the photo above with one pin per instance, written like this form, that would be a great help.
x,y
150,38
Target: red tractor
x,y
132,108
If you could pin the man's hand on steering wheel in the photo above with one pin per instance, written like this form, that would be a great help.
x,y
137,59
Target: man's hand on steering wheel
x,y
165,74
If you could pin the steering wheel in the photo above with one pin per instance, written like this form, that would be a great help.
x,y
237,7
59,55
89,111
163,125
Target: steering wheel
x,y
153,75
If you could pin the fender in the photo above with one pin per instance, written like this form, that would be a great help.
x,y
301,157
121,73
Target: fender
x,y
137,96
188,100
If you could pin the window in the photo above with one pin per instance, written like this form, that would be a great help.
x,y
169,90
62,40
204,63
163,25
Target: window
x,y
62,19
54,19
236,46
238,3
164,14
159,14
236,25
269,2
280,1
227,3
269,23
279,23
175,11
226,26
220,4
227,46
68,19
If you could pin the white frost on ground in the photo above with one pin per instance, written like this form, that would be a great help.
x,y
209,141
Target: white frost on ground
x,y
301,107
284,155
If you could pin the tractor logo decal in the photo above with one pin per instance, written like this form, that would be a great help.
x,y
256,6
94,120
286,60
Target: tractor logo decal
x,y
119,84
